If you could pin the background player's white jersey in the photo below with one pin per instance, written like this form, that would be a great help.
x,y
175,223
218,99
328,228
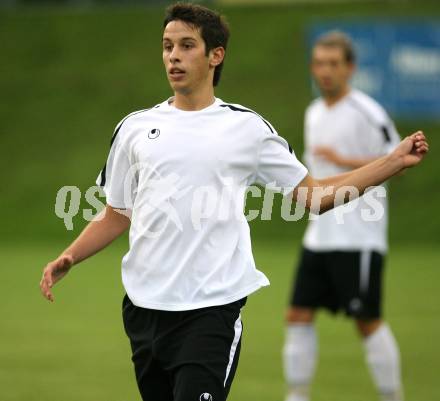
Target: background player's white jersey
x,y
355,127
189,239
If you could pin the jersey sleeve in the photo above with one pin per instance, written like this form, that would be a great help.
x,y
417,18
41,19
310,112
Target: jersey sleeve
x,y
381,135
117,176
278,167
380,138
391,137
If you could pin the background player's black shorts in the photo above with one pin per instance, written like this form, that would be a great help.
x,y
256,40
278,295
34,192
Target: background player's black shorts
x,y
184,356
351,281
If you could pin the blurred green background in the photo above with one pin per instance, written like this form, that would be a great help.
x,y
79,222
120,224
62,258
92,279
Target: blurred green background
x,y
67,76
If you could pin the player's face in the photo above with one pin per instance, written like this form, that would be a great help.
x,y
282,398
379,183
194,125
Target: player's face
x,y
188,67
330,70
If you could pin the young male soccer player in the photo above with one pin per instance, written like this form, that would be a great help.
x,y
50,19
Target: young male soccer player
x,y
341,262
186,278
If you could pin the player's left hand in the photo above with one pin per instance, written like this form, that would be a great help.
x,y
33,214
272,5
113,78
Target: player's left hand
x,y
412,149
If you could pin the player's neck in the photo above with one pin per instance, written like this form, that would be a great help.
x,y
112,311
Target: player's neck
x,y
194,101
331,99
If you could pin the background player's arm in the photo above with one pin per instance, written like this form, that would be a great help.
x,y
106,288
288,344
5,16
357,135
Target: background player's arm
x,y
99,233
336,158
408,154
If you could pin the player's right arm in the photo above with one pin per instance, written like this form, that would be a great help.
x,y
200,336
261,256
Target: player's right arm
x,y
109,224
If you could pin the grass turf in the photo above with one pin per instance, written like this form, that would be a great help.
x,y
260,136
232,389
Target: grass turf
x,y
76,350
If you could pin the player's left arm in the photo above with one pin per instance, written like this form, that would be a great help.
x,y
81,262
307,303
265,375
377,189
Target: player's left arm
x,y
378,139
335,157
321,193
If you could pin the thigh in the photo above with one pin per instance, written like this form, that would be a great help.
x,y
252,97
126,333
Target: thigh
x,y
205,352
357,277
153,381
312,286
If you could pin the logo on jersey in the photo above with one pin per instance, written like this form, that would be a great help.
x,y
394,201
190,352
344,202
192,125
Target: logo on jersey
x,y
205,397
154,133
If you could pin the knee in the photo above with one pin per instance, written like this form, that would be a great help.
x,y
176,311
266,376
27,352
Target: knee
x,y
299,315
367,327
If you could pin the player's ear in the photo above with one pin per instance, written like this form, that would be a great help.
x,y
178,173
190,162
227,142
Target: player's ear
x,y
216,56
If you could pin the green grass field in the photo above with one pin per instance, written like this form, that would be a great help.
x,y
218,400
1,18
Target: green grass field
x,y
76,350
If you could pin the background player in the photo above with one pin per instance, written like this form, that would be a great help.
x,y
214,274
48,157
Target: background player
x,y
341,264
186,284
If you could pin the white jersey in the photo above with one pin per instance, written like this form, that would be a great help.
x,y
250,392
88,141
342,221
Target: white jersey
x,y
184,174
355,127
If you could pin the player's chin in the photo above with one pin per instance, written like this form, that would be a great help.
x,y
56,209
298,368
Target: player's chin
x,y
328,90
177,86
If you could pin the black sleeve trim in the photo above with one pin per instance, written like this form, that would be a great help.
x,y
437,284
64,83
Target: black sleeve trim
x,y
235,108
386,134
112,140
383,128
102,182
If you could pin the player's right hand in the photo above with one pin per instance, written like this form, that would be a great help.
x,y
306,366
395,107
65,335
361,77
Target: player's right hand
x,y
54,272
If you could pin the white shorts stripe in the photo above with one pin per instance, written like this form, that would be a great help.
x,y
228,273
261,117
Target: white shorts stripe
x,y
238,328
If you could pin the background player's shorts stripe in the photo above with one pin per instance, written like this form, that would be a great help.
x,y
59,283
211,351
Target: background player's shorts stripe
x,y
238,328
364,271
347,280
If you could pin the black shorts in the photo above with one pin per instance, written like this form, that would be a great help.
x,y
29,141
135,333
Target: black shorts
x,y
347,280
184,356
